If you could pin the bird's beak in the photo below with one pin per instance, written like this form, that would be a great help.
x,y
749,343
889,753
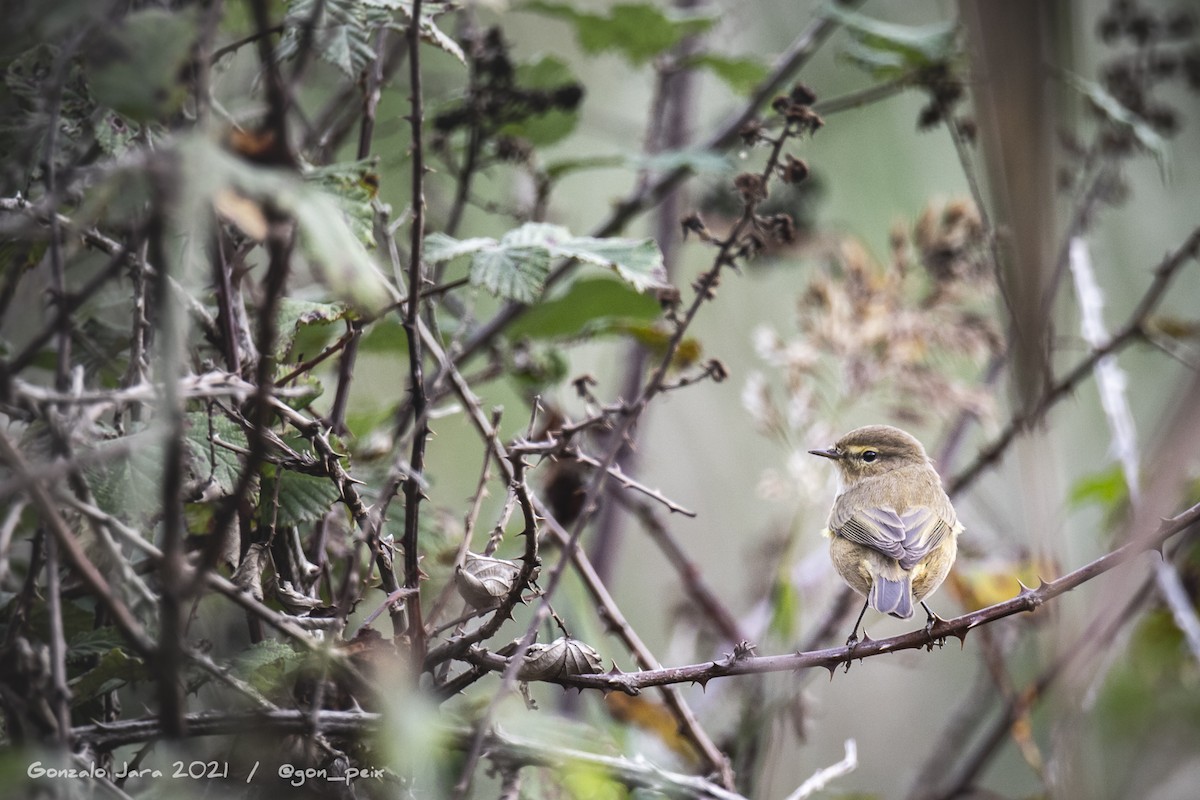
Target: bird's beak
x,y
830,453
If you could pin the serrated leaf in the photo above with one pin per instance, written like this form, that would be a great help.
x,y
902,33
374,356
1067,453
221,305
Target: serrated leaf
x,y
742,73
440,248
638,262
355,185
303,498
637,31
516,266
512,272
341,31
223,465
94,642
268,664
430,33
126,485
295,314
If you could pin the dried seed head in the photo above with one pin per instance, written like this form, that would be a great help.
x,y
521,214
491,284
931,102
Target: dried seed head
x,y
803,95
793,170
750,132
693,224
751,186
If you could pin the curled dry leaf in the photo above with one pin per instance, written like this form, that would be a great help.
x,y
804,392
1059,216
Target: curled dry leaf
x,y
248,575
484,581
561,658
295,601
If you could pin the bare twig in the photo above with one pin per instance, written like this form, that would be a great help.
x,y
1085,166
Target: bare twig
x,y
1128,333
1111,382
822,777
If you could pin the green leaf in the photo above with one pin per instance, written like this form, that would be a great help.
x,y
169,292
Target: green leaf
x,y
93,643
115,669
440,248
135,67
302,498
785,609
589,303
126,485
888,50
293,315
1106,489
638,262
514,272
384,336
742,74
637,31
223,465
516,266
355,184
268,665
430,33
341,31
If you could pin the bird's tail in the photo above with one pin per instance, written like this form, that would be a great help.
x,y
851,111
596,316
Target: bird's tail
x,y
892,596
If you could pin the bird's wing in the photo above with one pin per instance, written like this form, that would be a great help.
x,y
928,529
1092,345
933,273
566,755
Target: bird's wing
x,y
907,537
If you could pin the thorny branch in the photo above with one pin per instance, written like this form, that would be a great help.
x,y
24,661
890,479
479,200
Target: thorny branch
x,y
738,663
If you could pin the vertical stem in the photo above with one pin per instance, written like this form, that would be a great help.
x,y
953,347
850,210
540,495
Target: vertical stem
x,y
669,131
169,662
366,133
416,277
60,699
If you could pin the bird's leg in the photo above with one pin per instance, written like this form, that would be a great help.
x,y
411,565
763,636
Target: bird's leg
x,y
853,640
931,619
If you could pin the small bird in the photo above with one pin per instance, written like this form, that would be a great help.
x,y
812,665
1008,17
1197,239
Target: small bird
x,y
893,532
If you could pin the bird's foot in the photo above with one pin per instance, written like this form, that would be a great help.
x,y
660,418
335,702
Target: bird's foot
x,y
932,620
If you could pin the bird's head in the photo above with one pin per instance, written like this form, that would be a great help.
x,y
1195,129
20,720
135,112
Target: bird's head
x,y
873,450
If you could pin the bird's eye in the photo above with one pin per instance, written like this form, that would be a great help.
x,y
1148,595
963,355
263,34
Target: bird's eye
x,y
869,456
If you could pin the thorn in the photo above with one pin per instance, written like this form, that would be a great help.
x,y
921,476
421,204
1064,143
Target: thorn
x,y
1024,590
962,637
832,671
1042,583
866,637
